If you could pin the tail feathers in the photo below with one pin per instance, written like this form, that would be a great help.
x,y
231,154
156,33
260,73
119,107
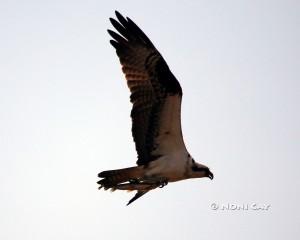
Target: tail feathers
x,y
111,178
129,179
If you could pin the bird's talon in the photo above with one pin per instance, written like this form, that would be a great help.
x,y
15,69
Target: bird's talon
x,y
163,183
134,181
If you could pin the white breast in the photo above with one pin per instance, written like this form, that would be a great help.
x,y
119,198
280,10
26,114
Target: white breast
x,y
172,166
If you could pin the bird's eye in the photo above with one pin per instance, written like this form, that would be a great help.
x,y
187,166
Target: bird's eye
x,y
195,168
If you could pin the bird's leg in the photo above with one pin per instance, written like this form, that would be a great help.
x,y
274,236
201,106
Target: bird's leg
x,y
163,182
144,184
156,181
134,181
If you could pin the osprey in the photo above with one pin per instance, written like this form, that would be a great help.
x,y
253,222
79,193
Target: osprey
x,y
156,127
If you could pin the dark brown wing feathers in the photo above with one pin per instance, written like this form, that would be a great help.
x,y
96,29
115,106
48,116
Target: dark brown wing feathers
x,y
149,79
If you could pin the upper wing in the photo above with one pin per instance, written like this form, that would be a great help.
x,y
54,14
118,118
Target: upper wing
x,y
155,92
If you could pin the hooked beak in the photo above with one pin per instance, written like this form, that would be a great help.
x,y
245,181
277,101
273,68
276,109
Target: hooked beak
x,y
210,175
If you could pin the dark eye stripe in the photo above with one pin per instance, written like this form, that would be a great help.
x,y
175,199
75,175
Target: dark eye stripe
x,y
198,169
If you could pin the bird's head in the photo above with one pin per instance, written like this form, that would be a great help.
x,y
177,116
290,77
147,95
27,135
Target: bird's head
x,y
199,170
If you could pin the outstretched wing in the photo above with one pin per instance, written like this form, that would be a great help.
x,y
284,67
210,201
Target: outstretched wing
x,y
155,92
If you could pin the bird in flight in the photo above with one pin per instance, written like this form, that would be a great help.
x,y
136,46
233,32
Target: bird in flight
x,y
156,126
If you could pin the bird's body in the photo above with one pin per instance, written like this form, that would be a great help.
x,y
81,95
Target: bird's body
x,y
156,123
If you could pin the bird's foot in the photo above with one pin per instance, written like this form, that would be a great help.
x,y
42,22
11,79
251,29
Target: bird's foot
x,y
156,182
163,182
134,181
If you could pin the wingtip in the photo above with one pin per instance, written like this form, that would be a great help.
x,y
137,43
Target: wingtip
x,y
137,196
114,44
118,14
109,31
111,20
130,201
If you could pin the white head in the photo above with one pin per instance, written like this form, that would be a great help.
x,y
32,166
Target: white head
x,y
198,170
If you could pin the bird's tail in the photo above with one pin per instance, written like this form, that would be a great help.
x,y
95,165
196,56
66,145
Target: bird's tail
x,y
111,178
129,179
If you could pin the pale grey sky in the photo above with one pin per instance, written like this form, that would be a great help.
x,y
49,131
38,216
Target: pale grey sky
x,y
65,117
